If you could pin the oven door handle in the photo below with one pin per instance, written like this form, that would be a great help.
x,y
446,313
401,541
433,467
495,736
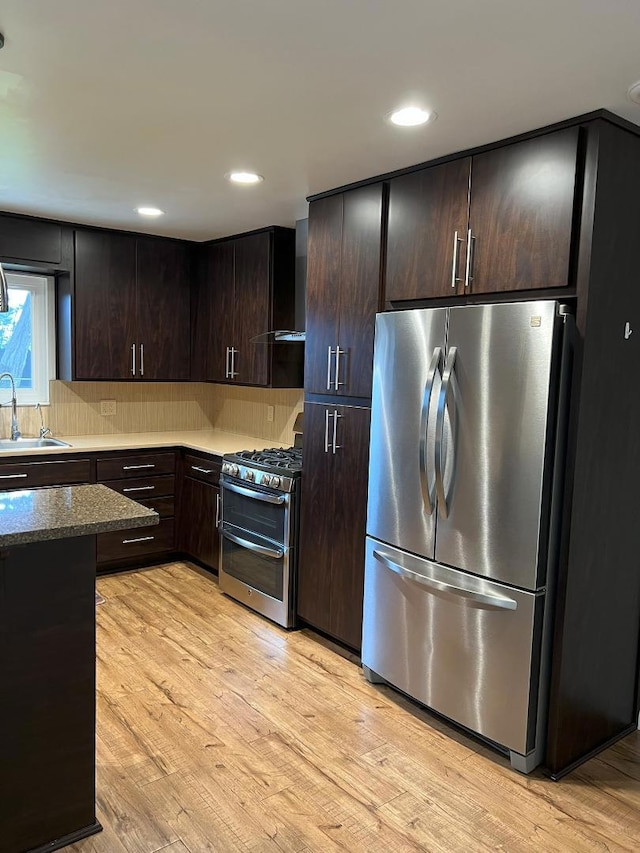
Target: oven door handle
x,y
251,546
257,496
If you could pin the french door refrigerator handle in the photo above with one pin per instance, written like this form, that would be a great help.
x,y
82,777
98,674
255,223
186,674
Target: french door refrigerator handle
x,y
251,546
428,495
502,602
443,402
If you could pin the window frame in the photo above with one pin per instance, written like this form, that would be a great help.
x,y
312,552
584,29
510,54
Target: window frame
x,y
43,340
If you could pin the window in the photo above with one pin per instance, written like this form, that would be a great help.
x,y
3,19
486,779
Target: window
x,y
27,342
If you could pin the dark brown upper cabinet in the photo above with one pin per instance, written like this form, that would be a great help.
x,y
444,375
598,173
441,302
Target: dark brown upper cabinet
x,y
130,307
343,291
499,221
245,288
31,240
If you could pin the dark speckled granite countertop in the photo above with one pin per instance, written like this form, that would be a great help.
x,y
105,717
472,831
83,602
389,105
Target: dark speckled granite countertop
x,y
35,515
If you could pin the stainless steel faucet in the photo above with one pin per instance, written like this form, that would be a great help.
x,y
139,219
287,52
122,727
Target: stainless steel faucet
x,y
44,431
15,432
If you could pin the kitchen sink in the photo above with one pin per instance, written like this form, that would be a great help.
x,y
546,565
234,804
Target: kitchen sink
x,y
30,444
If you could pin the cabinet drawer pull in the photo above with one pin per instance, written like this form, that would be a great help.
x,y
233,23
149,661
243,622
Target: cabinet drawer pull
x,y
135,467
139,539
139,489
13,476
202,470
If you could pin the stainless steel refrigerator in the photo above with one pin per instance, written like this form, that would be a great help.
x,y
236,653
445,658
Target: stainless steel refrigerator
x,y
464,473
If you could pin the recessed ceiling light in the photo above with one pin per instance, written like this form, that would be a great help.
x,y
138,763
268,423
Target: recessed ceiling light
x,y
633,93
149,211
244,178
411,117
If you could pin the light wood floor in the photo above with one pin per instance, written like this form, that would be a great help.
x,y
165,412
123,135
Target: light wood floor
x,y
218,731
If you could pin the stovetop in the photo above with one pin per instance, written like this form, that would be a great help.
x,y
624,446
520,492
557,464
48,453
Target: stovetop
x,y
276,467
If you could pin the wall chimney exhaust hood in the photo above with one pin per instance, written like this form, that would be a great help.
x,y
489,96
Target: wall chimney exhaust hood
x,y
297,335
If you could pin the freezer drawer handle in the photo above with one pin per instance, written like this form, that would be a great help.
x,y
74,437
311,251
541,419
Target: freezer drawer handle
x,y
251,546
443,404
502,602
428,494
257,496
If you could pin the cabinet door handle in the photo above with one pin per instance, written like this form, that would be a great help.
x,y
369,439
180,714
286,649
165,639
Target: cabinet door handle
x,y
139,489
217,510
226,363
141,359
139,539
335,446
339,352
455,278
13,476
329,354
133,359
234,372
326,430
468,278
202,470
135,467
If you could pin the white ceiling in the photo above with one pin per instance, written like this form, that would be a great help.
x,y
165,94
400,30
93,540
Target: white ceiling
x,y
108,105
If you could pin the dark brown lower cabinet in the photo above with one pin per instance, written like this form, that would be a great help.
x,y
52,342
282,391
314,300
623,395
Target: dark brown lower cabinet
x,y
199,508
333,520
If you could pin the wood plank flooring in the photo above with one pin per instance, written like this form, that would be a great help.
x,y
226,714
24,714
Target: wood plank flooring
x,y
219,731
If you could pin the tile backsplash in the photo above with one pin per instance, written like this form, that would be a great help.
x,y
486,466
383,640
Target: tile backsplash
x,y
162,406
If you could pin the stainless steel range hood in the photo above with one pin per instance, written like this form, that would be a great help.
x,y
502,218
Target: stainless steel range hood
x,y
297,335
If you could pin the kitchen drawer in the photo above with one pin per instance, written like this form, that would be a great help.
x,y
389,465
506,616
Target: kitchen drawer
x,y
144,487
147,464
135,542
203,468
27,475
165,507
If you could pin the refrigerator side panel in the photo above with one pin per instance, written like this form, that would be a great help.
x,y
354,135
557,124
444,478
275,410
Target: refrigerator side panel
x,y
406,385
496,460
461,645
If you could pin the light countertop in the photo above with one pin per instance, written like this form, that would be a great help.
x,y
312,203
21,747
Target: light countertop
x,y
34,515
207,441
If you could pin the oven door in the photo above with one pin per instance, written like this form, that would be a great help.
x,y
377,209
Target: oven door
x,y
256,572
262,511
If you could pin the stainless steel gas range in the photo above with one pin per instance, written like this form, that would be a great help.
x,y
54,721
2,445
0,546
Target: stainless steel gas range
x,y
259,530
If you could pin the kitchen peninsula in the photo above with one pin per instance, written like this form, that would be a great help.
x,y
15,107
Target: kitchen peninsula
x,y
47,659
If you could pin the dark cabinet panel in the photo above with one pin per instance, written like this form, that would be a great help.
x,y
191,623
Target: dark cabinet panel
x,y
135,543
104,308
253,298
521,214
244,285
333,520
343,291
197,529
427,231
163,308
30,240
29,475
323,289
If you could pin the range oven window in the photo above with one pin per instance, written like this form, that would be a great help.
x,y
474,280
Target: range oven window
x,y
263,512
254,561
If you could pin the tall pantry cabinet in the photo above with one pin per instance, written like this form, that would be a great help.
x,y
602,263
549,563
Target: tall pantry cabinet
x,y
343,296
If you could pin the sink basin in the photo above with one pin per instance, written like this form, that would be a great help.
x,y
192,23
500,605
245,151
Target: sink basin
x,y
31,444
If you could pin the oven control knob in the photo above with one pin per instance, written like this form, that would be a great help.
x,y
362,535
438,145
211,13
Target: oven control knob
x,y
275,482
266,479
225,467
250,476
233,470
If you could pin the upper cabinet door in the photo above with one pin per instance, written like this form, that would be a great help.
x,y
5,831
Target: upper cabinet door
x,y
428,213
104,305
216,300
163,309
253,308
522,214
323,288
359,295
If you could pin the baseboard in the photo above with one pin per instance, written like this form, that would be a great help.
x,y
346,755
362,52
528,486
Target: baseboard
x,y
71,838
